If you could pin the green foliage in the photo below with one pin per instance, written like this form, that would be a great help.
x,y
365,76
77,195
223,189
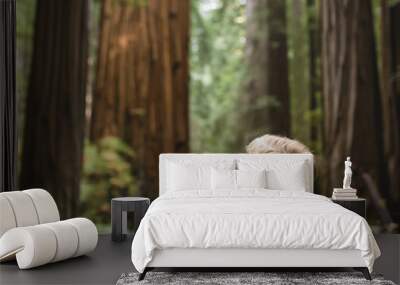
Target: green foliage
x,y
107,174
217,70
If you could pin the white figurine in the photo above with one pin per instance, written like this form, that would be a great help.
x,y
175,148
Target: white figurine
x,y
347,174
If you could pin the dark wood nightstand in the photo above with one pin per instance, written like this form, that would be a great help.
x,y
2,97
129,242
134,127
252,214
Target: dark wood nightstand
x,y
358,206
119,208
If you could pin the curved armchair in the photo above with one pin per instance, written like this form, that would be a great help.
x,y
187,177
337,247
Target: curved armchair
x,y
31,230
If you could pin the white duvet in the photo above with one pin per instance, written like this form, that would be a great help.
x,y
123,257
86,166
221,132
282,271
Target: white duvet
x,y
250,219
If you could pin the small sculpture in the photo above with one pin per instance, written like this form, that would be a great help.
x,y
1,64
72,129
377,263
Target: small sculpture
x,y
347,174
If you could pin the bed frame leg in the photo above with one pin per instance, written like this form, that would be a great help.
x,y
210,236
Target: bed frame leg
x,y
364,271
143,274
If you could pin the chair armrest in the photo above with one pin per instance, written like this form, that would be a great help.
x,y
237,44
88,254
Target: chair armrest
x,y
40,244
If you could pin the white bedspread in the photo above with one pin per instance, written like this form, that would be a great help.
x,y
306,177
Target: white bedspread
x,y
250,219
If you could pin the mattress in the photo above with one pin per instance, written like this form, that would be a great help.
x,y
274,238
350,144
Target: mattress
x,y
250,219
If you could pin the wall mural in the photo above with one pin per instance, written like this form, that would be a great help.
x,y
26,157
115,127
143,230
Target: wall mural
x,y
104,87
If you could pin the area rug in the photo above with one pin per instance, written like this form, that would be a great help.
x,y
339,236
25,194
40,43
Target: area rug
x,y
269,278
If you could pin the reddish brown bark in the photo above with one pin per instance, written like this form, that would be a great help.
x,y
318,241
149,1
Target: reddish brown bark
x,y
141,90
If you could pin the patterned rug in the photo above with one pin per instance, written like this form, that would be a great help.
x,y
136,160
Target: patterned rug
x,y
273,278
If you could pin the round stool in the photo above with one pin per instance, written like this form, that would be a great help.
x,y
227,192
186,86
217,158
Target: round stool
x,y
119,208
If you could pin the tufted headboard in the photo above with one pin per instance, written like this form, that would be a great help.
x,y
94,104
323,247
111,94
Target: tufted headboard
x,y
200,158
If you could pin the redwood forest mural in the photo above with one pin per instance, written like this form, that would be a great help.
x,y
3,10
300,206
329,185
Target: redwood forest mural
x,y
105,86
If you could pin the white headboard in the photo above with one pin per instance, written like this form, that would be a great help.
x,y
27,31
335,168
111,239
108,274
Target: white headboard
x,y
308,158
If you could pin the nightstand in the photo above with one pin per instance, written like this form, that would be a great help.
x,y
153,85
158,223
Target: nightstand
x,y
358,206
119,208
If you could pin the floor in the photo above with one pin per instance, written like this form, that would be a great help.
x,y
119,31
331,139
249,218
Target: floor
x,y
110,260
103,266
389,262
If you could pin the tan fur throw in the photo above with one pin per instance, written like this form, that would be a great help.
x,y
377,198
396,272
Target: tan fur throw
x,y
276,144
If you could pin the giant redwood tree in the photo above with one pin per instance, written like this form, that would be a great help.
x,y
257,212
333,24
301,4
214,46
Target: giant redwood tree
x,y
267,83
141,86
54,122
351,99
391,121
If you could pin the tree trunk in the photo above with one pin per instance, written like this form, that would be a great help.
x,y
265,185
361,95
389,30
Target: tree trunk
x,y
394,24
395,48
141,88
299,72
315,78
391,126
267,86
352,109
54,126
8,114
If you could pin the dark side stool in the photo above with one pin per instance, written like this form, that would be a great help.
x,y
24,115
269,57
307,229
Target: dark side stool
x,y
119,209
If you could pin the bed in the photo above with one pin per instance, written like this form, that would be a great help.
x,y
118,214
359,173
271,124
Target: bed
x,y
247,210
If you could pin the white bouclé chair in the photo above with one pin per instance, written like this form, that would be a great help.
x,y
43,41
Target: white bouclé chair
x,y
31,230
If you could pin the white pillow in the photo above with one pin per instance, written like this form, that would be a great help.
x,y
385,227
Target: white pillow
x,y
183,178
282,174
251,178
193,174
292,180
225,179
